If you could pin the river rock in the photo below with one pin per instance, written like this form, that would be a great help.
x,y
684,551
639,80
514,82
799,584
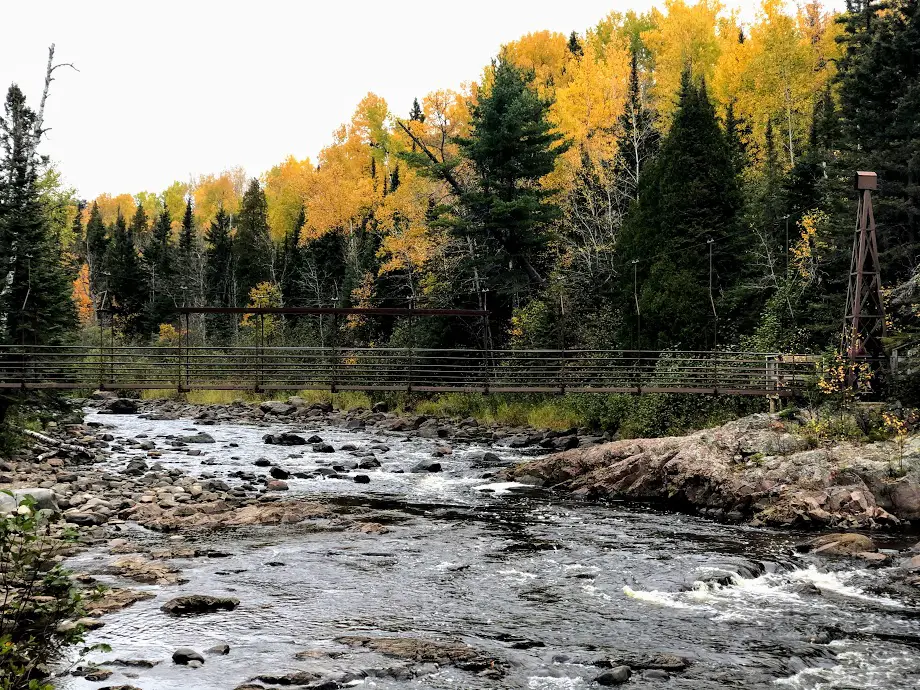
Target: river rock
x,y
844,544
650,660
362,479
184,655
262,462
284,439
122,406
278,408
45,499
279,473
218,650
135,468
422,651
277,485
323,448
615,676
198,603
200,437
426,466
369,463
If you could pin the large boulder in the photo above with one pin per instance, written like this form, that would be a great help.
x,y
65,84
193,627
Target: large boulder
x,y
843,544
277,407
427,466
284,439
122,406
45,499
184,656
198,603
200,437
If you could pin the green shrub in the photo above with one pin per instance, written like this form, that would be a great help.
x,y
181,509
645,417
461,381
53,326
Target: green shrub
x,y
37,600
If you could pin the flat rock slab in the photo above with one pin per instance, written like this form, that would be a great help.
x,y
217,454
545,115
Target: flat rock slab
x,y
198,603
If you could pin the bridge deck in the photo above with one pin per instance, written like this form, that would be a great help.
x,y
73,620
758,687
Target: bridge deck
x,y
395,369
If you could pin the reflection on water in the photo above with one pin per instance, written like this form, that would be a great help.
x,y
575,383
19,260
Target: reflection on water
x,y
544,585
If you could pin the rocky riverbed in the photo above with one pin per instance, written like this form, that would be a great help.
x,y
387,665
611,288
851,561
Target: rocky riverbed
x,y
292,545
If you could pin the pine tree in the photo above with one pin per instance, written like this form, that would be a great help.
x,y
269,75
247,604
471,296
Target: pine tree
x,y
218,275
252,247
687,206
78,240
394,179
97,246
127,284
416,114
879,87
507,212
35,302
160,262
574,45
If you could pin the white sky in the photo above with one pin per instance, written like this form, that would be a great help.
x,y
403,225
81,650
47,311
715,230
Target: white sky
x,y
171,89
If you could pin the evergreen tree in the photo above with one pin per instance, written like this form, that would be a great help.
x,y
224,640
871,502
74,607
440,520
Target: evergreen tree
x,y
879,86
394,178
35,302
574,45
218,275
687,206
127,282
97,246
507,213
160,262
252,247
187,234
78,240
416,113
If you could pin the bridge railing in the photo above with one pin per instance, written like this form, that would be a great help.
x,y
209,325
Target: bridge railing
x,y
401,369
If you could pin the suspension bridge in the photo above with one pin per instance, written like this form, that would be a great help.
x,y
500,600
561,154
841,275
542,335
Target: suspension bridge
x,y
263,367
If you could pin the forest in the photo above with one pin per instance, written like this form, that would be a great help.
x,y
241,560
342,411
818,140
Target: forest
x,y
672,179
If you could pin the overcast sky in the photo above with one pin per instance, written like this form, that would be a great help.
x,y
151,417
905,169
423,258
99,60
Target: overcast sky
x,y
171,89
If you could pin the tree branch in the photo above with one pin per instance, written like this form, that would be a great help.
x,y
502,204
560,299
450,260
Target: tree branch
x,y
49,72
448,176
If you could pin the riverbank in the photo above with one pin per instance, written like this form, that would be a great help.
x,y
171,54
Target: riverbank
x,y
432,565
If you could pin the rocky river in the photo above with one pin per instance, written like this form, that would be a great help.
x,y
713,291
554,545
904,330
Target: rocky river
x,y
408,574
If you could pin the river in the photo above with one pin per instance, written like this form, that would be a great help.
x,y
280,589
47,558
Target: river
x,y
544,585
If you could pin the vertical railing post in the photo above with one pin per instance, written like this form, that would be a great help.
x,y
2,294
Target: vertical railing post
x,y
261,353
335,351
411,348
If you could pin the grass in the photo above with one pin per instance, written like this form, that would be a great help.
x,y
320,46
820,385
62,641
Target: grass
x,y
346,400
536,412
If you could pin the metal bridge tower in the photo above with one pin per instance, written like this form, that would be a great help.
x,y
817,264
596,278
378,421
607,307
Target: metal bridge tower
x,y
864,318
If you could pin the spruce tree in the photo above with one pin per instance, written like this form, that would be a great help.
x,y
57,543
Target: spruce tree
x,y
688,197
879,87
218,275
574,45
78,240
160,262
416,113
507,212
394,179
127,283
97,246
252,247
35,303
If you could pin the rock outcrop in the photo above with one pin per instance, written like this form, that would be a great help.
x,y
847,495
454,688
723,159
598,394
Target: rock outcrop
x,y
755,469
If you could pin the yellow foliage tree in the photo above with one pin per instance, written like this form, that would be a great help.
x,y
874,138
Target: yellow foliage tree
x,y
684,37
288,188
546,54
174,197
210,193
82,297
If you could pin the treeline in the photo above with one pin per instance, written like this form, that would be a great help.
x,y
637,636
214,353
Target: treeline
x,y
668,179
